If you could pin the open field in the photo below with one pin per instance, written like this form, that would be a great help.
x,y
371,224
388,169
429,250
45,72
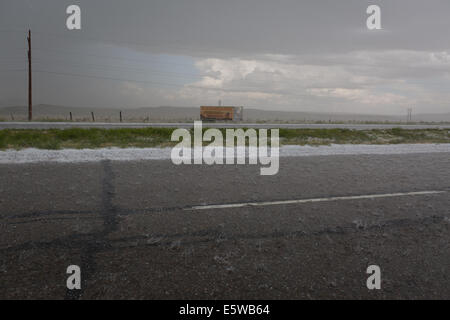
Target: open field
x,y
77,138
54,113
220,125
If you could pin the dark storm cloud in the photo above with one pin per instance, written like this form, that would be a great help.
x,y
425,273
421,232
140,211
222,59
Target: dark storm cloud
x,y
289,53
242,27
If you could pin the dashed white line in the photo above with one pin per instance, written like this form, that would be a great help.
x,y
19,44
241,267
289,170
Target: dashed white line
x,y
301,201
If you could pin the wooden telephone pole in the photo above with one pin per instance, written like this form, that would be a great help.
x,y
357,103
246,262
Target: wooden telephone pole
x,y
30,104
409,115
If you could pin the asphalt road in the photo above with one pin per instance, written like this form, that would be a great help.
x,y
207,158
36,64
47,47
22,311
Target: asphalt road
x,y
66,125
135,230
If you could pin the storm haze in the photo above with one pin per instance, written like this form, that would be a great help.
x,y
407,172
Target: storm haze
x,y
305,56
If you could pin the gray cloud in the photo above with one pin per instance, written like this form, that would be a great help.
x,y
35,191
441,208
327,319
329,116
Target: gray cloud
x,y
287,54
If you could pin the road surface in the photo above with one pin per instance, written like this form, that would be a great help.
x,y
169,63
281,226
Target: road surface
x,y
149,229
66,125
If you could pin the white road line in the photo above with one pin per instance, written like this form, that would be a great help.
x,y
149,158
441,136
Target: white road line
x,y
301,201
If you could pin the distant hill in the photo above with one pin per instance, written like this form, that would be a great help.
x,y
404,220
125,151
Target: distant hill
x,y
172,114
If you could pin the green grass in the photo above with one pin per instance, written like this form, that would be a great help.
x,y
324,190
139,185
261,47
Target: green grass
x,y
84,138
323,136
160,137
377,136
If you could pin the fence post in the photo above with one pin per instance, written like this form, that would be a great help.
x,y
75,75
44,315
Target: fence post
x,y
120,116
70,116
93,118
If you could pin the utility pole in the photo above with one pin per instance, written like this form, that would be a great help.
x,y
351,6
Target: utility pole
x,y
30,103
409,115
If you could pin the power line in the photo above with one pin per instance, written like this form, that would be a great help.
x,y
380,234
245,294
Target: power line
x,y
142,81
119,42
101,77
12,31
124,67
13,70
139,69
101,56
178,74
118,69
12,58
106,41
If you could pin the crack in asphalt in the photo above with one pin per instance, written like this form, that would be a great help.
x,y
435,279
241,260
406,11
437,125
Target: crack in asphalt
x,y
92,243
97,242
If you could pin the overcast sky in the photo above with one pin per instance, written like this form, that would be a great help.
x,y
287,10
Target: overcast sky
x,y
315,55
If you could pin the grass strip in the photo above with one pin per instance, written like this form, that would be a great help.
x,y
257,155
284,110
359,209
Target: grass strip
x,y
77,138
